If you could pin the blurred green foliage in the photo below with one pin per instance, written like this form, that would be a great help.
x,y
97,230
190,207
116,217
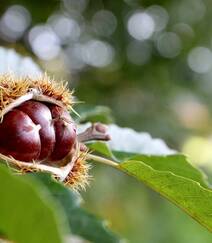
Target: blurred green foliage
x,y
166,94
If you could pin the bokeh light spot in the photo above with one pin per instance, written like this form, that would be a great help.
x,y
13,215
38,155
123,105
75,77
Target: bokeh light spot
x,y
199,150
104,23
97,53
200,59
141,25
159,15
67,29
44,42
169,45
14,22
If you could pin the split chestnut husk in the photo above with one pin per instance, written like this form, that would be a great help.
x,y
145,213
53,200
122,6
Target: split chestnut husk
x,y
37,132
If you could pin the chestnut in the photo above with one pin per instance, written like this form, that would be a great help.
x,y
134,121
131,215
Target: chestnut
x,y
65,132
19,136
40,114
36,131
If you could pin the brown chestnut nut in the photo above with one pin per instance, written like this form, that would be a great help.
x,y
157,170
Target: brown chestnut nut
x,y
40,114
19,136
65,132
36,131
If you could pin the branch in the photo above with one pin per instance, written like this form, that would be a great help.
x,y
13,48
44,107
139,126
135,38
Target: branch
x,y
101,160
97,131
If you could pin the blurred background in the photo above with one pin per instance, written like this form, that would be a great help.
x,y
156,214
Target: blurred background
x,y
150,62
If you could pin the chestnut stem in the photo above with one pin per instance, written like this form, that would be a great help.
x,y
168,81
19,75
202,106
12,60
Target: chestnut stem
x,y
97,131
101,160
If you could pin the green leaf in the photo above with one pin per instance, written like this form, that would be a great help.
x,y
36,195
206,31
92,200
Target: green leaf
x,y
27,211
81,222
94,114
177,164
186,193
101,148
172,176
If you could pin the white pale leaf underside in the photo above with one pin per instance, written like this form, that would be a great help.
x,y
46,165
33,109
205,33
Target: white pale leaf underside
x,y
14,63
128,140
